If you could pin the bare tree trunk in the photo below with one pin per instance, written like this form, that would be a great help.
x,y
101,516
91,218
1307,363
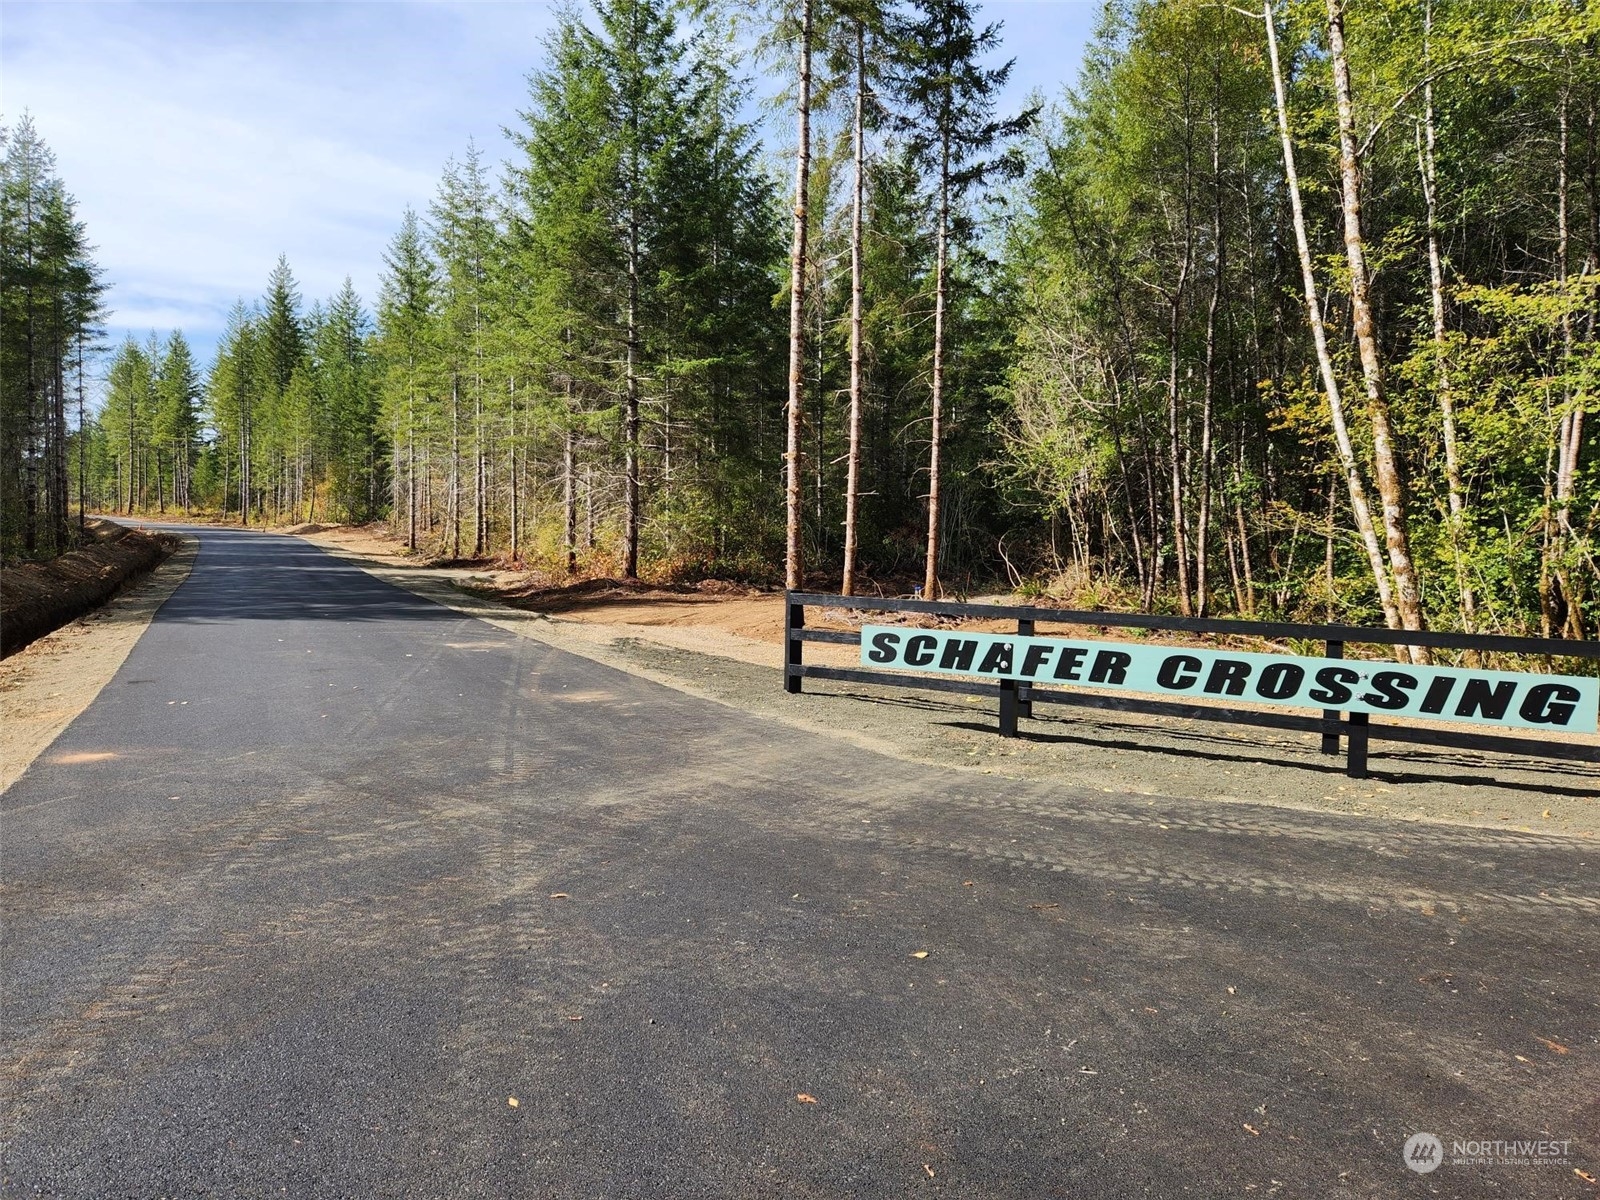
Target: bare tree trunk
x,y
1180,520
930,578
588,506
480,531
852,490
58,451
1244,539
1328,545
455,466
794,563
630,519
1176,422
411,473
569,477
515,483
1570,434
1455,490
1359,508
1391,485
83,450
1203,518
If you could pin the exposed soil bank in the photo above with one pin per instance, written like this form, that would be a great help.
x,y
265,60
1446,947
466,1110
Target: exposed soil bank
x,y
37,598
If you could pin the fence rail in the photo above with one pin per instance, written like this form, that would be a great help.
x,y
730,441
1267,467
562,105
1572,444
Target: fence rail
x,y
1016,697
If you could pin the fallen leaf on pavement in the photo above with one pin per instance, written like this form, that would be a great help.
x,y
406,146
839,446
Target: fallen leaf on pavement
x,y
924,954
1556,1046
806,1098
1251,1130
1584,1175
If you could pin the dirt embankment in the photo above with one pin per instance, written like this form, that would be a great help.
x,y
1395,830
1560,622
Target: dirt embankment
x,y
36,598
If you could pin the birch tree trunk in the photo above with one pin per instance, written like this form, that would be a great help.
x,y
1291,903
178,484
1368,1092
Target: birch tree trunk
x,y
1455,490
1391,484
1360,509
1570,433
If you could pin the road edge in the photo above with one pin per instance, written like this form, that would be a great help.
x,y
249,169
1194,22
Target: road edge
x,y
55,668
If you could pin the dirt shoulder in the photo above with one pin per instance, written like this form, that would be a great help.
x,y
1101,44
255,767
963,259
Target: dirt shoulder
x,y
725,645
37,597
50,681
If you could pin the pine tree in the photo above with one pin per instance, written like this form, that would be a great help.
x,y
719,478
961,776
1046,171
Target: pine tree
x,y
949,101
406,312
352,437
50,294
176,424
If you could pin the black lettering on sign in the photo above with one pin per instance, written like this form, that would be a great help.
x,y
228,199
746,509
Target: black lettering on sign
x,y
1389,689
998,658
958,653
1486,699
1280,680
1179,671
883,647
919,650
1550,703
1438,692
1227,677
1038,654
1110,666
1069,662
1333,685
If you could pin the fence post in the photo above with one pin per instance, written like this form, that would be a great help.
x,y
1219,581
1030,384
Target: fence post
x,y
794,620
1355,766
1008,708
1024,691
1330,741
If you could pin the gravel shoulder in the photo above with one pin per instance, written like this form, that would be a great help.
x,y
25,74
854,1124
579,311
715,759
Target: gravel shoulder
x,y
1114,753
46,684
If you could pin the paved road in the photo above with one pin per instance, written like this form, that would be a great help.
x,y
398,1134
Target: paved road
x,y
328,874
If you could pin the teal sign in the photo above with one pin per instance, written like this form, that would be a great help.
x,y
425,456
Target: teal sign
x,y
1522,701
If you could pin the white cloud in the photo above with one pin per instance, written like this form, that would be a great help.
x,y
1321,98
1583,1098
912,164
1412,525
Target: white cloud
x,y
202,140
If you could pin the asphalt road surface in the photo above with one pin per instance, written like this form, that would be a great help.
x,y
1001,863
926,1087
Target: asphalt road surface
x,y
329,876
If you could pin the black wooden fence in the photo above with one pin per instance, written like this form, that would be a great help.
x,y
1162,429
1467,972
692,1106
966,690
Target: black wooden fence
x,y
1017,698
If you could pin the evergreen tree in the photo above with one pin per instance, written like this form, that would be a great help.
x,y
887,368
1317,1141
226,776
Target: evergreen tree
x,y
49,313
176,423
949,101
406,314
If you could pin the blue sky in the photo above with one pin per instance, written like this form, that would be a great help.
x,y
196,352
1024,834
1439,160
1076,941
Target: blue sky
x,y
203,139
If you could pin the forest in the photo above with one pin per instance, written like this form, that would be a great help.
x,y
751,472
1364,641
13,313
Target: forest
x,y
1275,310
